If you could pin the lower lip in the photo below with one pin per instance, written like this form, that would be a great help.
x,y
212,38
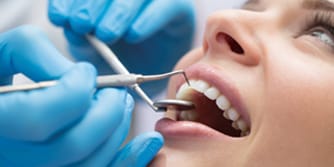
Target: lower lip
x,y
186,129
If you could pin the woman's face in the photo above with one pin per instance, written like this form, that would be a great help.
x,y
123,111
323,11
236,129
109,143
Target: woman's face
x,y
270,69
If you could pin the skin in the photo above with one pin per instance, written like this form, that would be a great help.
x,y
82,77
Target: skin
x,y
285,78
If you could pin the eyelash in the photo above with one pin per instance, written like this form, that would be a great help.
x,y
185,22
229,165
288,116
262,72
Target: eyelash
x,y
321,19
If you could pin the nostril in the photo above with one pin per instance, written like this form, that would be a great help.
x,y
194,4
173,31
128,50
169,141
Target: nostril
x,y
233,44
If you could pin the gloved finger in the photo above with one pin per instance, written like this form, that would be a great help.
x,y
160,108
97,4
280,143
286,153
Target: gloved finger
x,y
78,142
107,151
85,14
27,50
140,151
75,38
4,162
117,19
99,124
38,114
157,15
6,80
59,11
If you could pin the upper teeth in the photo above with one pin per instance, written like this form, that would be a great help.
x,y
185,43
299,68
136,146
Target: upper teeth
x,y
211,93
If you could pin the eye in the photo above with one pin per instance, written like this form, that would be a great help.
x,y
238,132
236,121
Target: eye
x,y
320,26
323,34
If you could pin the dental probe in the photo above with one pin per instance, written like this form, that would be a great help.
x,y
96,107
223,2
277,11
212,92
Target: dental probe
x,y
102,81
118,67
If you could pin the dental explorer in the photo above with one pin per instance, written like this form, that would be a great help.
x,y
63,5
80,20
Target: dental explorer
x,y
102,81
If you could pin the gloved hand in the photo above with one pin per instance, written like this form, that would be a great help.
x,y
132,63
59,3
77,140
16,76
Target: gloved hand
x,y
65,124
149,36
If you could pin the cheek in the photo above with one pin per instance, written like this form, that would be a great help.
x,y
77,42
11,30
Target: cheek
x,y
301,87
298,108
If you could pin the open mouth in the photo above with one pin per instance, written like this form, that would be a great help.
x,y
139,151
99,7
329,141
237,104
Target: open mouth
x,y
213,109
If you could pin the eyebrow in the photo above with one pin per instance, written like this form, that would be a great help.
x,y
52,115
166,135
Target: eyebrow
x,y
318,5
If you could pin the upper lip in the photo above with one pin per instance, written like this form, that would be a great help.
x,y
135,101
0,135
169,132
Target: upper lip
x,y
201,71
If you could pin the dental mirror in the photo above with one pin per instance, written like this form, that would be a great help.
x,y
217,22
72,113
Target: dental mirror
x,y
174,104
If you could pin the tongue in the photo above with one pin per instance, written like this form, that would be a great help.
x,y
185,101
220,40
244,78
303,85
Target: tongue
x,y
210,115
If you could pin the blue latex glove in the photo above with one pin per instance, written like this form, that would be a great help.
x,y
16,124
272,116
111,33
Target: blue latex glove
x,y
149,36
64,125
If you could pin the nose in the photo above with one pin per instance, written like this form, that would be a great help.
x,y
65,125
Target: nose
x,y
231,34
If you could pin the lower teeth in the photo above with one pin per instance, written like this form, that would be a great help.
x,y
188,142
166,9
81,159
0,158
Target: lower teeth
x,y
188,115
244,133
237,125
